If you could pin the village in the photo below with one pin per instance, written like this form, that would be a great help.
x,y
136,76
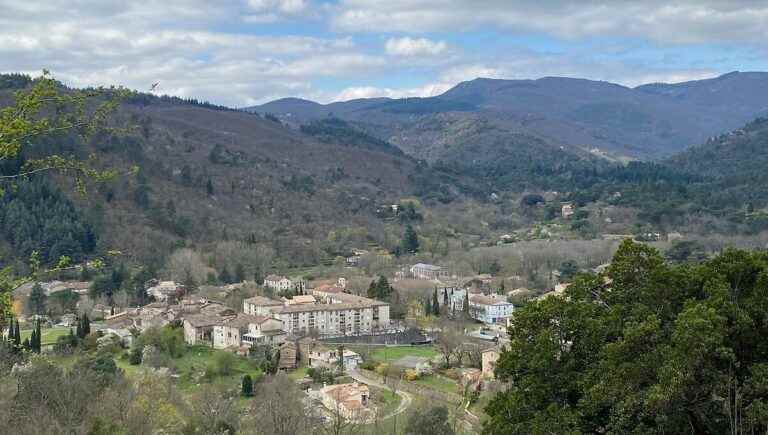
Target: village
x,y
358,358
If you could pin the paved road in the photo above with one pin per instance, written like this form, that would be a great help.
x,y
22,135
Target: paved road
x,y
405,398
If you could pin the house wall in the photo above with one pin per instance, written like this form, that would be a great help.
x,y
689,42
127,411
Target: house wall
x,y
226,336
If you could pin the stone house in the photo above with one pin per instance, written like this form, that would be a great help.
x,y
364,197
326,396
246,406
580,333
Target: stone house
x,y
349,400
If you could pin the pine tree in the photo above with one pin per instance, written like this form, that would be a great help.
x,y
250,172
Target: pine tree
x,y
502,288
37,299
428,307
445,297
79,332
26,344
247,388
86,325
224,276
410,242
435,303
465,307
18,334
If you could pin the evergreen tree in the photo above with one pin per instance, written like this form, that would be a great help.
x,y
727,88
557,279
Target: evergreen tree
x,y
38,338
37,300
209,187
239,273
341,359
502,288
435,303
247,387
26,344
428,307
445,297
410,242
224,276
465,307
86,325
17,334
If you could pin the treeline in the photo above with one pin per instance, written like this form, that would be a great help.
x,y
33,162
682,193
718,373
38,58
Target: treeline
x,y
36,216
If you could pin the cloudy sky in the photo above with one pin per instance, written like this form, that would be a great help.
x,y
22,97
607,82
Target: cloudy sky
x,y
243,52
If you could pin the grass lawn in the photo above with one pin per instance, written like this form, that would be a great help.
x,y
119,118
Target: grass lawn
x,y
392,353
299,373
49,335
197,358
438,383
385,399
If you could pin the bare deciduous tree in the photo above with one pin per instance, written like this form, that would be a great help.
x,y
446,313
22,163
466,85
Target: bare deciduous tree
x,y
279,408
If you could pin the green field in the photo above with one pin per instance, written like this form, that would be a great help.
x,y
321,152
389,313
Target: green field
x,y
49,335
438,383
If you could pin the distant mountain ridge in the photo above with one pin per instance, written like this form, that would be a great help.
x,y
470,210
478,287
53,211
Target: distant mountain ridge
x,y
648,121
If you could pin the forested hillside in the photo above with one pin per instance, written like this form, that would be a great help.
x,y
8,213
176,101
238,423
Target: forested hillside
x,y
211,174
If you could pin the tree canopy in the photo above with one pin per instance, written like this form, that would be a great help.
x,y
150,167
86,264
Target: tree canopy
x,y
648,347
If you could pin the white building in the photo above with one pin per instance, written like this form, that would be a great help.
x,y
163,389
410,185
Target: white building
x,y
322,356
428,271
345,314
165,290
491,309
260,306
278,283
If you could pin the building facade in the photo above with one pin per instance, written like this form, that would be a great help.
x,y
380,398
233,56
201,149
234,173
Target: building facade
x,y
428,271
491,309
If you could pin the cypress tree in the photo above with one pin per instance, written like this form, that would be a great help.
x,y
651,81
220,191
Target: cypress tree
x,y
18,333
86,325
428,307
79,332
26,344
38,338
465,307
247,388
435,303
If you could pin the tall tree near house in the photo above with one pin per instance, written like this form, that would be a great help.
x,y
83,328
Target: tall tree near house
x,y
37,299
341,358
410,242
465,306
247,386
435,304
427,306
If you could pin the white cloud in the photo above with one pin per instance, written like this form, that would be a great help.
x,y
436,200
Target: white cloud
x,y
414,47
686,21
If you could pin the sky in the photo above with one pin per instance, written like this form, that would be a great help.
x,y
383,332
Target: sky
x,y
246,52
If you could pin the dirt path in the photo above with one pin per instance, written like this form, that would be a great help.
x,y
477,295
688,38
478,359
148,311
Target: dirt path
x,y
405,398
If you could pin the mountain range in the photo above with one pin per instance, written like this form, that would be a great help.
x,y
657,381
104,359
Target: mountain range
x,y
645,122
